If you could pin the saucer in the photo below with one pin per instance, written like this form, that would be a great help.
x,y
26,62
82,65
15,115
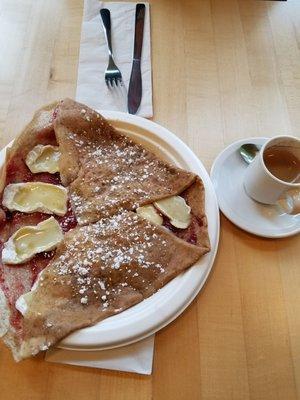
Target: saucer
x,y
227,175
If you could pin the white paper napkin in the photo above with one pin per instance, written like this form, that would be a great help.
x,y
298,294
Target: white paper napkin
x,y
136,357
91,87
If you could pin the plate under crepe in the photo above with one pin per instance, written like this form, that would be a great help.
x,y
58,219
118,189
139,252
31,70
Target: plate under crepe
x,y
164,306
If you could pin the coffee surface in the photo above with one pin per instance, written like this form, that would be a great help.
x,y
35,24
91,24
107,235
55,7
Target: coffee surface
x,y
282,163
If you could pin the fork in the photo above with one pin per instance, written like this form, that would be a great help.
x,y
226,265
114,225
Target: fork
x,y
113,76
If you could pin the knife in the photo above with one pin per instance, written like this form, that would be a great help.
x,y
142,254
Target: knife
x,y
135,83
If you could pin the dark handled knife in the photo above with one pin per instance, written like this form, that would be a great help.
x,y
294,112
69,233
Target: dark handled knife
x,y
135,83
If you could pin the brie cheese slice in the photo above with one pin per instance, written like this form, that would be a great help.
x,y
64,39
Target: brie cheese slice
x,y
36,196
150,213
22,302
176,209
43,159
30,240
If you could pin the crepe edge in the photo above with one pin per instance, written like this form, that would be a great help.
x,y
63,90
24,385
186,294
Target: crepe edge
x,y
37,122
6,333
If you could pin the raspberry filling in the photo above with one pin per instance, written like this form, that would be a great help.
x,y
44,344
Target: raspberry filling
x,y
188,234
19,279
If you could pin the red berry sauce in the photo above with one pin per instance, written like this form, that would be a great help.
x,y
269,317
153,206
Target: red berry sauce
x,y
18,279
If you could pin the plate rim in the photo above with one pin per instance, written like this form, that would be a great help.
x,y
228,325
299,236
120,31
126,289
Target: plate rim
x,y
213,171
178,145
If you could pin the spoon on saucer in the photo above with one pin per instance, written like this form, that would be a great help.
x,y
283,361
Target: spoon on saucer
x,y
248,152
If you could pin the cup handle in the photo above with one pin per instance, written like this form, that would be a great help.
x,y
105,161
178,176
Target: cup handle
x,y
290,203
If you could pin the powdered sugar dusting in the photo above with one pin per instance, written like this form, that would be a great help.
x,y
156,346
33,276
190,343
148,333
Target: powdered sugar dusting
x,y
118,173
113,255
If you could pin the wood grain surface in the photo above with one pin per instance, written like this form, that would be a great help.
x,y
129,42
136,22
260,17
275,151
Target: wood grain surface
x,y
222,70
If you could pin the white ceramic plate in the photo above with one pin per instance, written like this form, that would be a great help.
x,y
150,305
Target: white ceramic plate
x,y
227,175
157,311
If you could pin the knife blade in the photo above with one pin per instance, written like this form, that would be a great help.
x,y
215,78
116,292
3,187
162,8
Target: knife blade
x,y
135,83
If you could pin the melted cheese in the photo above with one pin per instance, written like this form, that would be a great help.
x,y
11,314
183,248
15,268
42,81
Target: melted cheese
x,y
30,240
36,196
43,159
150,213
176,209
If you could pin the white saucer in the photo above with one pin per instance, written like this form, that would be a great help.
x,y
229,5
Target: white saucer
x,y
227,175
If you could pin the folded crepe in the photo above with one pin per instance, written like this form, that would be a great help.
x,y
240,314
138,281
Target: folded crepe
x,y
106,170
100,270
113,258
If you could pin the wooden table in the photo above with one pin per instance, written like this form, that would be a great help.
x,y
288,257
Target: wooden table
x,y
222,70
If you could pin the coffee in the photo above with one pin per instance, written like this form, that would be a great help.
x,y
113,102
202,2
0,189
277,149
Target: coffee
x,y
282,163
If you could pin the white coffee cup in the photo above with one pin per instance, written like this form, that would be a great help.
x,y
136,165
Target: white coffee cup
x,y
262,186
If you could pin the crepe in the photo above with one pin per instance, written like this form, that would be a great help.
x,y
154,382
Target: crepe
x,y
113,258
106,170
100,270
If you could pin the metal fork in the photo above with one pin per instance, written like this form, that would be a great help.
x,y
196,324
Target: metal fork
x,y
113,76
